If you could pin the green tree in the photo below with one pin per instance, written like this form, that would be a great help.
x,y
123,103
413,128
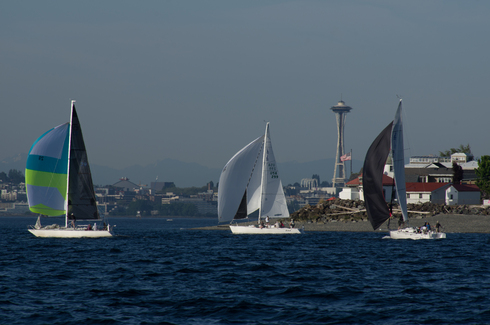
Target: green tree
x,y
3,177
457,173
462,148
16,176
483,175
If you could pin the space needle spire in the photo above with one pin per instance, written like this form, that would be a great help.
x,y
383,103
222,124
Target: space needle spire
x,y
340,111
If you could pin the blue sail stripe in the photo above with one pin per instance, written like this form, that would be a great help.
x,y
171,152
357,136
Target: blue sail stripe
x,y
47,164
47,196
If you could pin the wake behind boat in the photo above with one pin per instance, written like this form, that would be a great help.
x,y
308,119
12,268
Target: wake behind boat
x,y
250,182
372,180
59,182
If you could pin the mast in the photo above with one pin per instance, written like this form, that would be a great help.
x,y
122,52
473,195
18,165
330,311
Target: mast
x,y
69,156
264,169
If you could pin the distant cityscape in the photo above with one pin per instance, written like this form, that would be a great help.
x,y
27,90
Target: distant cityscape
x,y
429,179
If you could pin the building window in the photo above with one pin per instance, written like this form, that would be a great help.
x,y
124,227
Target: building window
x,y
451,196
420,195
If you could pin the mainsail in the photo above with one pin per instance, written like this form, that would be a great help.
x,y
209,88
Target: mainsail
x,y
81,196
372,178
397,151
273,202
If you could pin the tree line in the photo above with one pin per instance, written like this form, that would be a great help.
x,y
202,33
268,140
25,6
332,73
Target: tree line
x,y
14,176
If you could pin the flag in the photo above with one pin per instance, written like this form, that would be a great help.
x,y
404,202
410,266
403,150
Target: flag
x,y
346,157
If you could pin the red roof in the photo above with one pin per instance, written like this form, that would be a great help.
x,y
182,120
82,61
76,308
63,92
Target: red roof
x,y
466,187
387,181
421,187
425,187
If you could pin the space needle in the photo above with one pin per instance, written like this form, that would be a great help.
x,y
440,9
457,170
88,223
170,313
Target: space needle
x,y
340,111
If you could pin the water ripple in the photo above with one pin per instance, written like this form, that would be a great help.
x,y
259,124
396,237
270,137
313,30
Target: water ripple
x,y
156,273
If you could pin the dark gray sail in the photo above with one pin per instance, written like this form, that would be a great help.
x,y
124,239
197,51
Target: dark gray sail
x,y
242,208
81,195
372,178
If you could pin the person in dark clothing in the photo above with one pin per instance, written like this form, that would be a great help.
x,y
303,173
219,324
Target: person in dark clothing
x,y
438,226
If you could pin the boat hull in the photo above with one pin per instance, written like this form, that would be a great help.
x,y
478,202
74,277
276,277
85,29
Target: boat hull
x,y
70,233
252,230
411,233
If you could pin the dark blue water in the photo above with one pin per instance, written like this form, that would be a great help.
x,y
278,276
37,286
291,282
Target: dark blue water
x,y
160,272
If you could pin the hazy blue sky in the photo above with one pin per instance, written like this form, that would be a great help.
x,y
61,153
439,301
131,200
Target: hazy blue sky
x,y
195,80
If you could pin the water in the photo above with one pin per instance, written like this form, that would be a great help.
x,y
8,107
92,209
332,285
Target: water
x,y
160,272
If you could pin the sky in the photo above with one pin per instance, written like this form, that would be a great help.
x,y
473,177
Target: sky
x,y
196,80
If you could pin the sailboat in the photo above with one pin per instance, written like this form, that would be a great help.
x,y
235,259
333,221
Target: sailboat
x,y
372,180
59,183
250,182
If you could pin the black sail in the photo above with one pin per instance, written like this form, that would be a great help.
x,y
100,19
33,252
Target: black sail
x,y
81,195
242,208
372,178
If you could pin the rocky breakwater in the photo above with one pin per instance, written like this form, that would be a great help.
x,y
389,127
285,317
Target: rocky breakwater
x,y
348,215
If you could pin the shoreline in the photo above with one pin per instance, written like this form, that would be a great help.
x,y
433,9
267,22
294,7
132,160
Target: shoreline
x,y
451,223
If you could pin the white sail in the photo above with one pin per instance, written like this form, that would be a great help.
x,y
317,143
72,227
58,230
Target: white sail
x,y
399,161
235,178
254,198
273,201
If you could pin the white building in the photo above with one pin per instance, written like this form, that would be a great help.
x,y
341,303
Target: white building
x,y
457,194
426,192
354,191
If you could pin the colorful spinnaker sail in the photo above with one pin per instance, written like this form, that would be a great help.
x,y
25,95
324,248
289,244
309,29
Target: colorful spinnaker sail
x,y
47,172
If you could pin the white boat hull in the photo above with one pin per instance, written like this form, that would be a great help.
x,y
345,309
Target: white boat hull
x,y
70,233
253,230
412,233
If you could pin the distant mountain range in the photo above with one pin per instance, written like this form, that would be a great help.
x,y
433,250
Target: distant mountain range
x,y
185,174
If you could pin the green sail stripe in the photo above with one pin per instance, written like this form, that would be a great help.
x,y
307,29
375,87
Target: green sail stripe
x,y
47,211
38,178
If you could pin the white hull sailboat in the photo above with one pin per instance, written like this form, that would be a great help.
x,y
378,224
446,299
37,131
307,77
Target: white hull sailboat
x,y
81,231
415,233
250,182
372,180
271,230
59,183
